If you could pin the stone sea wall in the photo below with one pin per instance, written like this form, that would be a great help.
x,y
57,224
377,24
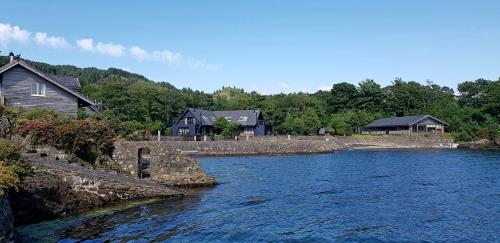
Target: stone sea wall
x,y
396,142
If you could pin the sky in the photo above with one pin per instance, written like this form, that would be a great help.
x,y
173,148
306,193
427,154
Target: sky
x,y
267,46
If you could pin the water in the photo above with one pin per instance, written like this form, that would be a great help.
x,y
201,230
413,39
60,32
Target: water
x,y
431,195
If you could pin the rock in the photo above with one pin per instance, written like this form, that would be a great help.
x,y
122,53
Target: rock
x,y
481,144
59,189
43,196
181,171
6,220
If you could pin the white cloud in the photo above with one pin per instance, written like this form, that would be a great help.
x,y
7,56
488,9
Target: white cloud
x,y
10,33
53,41
283,85
114,50
86,44
325,88
139,53
164,56
198,64
167,56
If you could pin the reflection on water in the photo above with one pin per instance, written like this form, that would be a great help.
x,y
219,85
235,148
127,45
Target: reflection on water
x,y
434,195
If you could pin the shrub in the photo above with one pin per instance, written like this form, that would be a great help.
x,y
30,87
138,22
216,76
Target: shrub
x,y
38,131
8,177
87,139
11,165
225,128
9,150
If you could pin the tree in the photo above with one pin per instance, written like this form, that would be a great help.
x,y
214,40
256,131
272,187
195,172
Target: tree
x,y
340,125
370,96
343,97
492,126
225,128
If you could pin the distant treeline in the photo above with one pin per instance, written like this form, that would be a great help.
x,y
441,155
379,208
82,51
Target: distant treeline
x,y
473,113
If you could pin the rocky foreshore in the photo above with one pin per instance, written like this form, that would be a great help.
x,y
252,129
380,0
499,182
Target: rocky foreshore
x,y
481,144
57,188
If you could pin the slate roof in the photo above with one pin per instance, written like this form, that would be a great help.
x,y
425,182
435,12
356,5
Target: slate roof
x,y
70,82
401,121
241,117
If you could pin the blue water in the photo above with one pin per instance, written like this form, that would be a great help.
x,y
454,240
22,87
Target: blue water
x,y
431,195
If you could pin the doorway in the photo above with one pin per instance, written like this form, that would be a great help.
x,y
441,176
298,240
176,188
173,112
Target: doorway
x,y
143,163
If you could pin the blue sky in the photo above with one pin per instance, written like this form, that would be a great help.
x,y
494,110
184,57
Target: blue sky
x,y
267,46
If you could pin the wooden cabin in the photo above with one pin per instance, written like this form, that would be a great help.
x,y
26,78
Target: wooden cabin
x,y
405,125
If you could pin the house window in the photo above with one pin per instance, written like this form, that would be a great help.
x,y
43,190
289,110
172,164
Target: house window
x,y
243,118
183,131
228,118
38,89
248,130
190,120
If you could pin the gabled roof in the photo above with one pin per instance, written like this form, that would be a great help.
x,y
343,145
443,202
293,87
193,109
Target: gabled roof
x,y
49,78
401,121
70,82
241,117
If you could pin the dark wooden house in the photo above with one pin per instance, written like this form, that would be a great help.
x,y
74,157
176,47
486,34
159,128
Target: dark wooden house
x,y
198,122
24,86
405,125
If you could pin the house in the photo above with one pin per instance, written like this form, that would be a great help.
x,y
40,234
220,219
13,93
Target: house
x,y
24,86
198,122
405,125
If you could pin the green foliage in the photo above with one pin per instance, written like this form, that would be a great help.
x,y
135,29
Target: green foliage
x,y
492,126
306,123
12,168
9,150
219,125
225,128
340,125
8,177
89,140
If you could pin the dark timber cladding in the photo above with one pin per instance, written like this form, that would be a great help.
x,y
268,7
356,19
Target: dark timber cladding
x,y
405,125
198,122
22,85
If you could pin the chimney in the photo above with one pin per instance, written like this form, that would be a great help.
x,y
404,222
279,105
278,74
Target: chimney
x,y
11,56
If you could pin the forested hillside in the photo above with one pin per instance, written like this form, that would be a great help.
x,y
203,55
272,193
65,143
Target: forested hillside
x,y
472,112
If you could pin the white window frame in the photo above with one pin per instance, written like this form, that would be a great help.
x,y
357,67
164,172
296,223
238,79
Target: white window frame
x,y
248,130
39,88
